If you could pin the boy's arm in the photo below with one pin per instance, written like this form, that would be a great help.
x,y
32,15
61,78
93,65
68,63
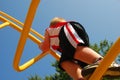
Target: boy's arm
x,y
45,45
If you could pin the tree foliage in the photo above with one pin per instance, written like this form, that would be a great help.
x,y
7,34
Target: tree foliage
x,y
101,48
35,77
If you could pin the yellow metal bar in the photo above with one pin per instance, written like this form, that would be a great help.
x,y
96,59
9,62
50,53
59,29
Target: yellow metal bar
x,y
24,34
108,59
14,24
16,27
32,37
35,40
11,18
20,23
31,61
55,55
4,25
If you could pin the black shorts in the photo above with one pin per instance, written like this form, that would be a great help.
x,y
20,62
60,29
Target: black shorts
x,y
68,50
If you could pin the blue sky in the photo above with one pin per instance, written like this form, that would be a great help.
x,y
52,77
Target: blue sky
x,y
99,17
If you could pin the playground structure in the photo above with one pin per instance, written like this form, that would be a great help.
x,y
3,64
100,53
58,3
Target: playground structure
x,y
10,21
27,32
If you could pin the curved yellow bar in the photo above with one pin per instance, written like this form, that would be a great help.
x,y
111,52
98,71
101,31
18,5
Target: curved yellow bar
x,y
35,40
16,27
25,33
19,23
108,59
4,24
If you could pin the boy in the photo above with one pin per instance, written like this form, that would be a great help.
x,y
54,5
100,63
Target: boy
x,y
71,39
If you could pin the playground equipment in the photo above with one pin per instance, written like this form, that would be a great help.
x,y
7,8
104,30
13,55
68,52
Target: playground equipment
x,y
108,59
27,32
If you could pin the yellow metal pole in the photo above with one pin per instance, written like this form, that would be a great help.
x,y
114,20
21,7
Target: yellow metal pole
x,y
108,59
25,32
16,27
14,23
4,24
20,23
35,40
32,61
57,56
32,37
10,18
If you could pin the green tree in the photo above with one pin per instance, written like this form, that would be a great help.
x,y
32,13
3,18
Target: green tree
x,y
101,48
35,77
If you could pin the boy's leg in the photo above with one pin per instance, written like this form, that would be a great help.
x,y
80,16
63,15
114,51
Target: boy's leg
x,y
89,56
72,69
86,54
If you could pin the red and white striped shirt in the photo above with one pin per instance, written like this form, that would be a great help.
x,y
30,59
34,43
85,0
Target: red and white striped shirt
x,y
70,33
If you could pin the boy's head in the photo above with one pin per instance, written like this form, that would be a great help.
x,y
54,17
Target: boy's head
x,y
56,20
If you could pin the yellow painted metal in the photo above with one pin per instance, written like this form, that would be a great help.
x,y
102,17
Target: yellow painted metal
x,y
32,37
55,55
19,23
108,59
18,28
27,64
24,35
4,24
14,23
10,18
